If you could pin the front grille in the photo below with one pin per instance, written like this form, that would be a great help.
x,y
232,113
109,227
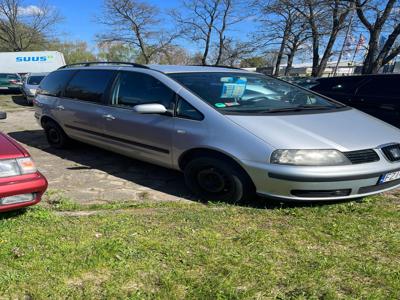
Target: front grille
x,y
392,152
362,156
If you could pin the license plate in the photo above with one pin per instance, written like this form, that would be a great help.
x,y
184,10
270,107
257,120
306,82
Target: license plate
x,y
3,88
389,177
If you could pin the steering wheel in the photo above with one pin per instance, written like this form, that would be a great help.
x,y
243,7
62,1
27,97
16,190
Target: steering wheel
x,y
298,98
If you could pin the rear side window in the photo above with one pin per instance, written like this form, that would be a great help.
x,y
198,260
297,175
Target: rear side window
x,y
35,80
54,83
137,88
89,85
9,76
343,85
381,86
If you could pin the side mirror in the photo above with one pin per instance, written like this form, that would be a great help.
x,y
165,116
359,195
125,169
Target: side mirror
x,y
151,108
3,115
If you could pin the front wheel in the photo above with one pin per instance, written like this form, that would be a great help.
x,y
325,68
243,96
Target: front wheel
x,y
218,180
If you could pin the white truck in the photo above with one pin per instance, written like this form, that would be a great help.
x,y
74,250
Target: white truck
x,y
31,62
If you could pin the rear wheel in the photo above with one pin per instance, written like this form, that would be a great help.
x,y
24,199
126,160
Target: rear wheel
x,y
218,180
56,137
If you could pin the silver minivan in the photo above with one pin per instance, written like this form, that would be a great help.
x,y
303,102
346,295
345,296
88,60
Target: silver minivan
x,y
233,133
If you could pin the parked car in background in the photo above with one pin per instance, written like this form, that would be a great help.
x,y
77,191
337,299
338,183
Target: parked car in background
x,y
30,84
305,82
377,95
21,184
10,82
231,132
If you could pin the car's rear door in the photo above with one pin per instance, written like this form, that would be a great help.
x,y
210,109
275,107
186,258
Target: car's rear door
x,y
81,108
380,97
145,136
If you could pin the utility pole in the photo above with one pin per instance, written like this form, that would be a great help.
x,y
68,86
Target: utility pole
x,y
344,42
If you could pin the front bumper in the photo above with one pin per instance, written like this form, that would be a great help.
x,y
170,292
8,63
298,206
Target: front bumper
x,y
321,183
26,184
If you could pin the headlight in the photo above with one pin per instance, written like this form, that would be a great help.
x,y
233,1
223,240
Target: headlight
x,y
32,92
15,167
9,168
309,158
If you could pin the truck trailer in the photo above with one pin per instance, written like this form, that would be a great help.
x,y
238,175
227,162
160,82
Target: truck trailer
x,y
31,62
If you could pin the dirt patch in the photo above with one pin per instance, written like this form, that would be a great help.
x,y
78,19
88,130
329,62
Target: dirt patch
x,y
88,174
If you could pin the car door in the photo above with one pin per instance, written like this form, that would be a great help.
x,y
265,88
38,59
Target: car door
x,y
81,108
143,136
380,97
338,88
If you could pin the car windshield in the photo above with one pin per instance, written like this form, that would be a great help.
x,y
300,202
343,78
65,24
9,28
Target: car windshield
x,y
35,80
251,93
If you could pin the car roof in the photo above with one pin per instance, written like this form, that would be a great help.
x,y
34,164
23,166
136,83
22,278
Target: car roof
x,y
37,74
359,76
167,69
193,69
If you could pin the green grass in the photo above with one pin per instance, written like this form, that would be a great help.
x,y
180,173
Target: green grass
x,y
195,251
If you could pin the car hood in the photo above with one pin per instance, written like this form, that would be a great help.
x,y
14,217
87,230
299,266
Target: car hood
x,y
346,130
8,148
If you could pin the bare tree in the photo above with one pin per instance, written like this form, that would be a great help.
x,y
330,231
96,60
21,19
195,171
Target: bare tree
x,y
199,20
136,23
326,19
25,27
232,52
377,16
296,41
173,55
278,17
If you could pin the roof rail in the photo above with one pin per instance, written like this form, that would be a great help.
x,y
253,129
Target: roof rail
x,y
88,64
217,66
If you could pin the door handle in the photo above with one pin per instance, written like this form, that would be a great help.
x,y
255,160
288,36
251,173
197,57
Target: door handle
x,y
109,117
60,107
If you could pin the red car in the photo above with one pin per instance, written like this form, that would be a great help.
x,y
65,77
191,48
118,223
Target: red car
x,y
21,184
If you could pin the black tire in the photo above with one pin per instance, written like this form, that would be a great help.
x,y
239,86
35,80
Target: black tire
x,y
214,179
56,137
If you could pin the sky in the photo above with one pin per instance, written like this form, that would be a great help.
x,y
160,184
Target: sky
x,y
80,15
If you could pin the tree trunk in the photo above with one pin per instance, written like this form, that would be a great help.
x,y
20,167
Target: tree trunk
x,y
327,53
290,62
370,66
282,49
315,50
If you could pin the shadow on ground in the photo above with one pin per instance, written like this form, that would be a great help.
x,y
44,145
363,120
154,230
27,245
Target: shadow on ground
x,y
20,100
157,178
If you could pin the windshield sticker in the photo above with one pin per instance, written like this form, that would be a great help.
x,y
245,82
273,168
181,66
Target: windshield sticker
x,y
233,87
231,103
219,105
227,79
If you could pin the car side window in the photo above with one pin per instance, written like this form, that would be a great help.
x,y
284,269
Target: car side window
x,y
187,111
376,85
54,83
89,85
133,88
342,85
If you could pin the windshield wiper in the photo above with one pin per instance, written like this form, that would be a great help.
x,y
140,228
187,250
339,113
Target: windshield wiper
x,y
298,108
